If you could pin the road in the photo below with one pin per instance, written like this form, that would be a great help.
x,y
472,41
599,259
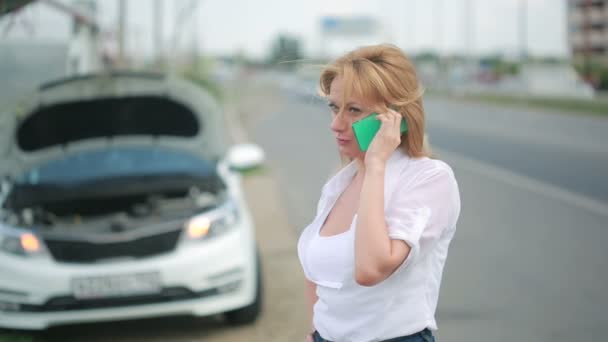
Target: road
x,y
528,259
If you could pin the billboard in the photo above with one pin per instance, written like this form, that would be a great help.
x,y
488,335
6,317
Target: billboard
x,y
348,26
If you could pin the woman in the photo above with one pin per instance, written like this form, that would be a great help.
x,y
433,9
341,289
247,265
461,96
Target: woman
x,y
374,254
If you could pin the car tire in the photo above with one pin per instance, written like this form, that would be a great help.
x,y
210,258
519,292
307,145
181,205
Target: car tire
x,y
248,314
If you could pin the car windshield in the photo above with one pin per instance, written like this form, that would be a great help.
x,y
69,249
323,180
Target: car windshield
x,y
116,163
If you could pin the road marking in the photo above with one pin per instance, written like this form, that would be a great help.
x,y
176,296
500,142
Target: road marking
x,y
526,183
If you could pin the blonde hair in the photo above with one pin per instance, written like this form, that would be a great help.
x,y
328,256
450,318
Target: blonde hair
x,y
385,75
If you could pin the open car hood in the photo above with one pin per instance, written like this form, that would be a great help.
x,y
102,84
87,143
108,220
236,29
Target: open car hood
x,y
117,109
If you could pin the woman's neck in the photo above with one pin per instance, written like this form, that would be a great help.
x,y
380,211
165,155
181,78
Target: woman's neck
x,y
360,167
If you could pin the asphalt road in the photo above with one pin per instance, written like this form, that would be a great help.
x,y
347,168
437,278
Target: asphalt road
x,y
528,260
568,151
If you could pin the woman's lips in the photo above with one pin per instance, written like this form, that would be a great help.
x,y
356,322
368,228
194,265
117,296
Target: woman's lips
x,y
342,141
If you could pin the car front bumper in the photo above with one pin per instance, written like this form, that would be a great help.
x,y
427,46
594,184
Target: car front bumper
x,y
203,278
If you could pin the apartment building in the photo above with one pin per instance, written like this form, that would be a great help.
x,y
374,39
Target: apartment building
x,y
588,28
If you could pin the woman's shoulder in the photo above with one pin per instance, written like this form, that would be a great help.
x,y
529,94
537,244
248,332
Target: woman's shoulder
x,y
342,173
425,169
428,165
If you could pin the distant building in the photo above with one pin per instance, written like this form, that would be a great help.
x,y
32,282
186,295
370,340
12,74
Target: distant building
x,y
553,80
340,34
588,29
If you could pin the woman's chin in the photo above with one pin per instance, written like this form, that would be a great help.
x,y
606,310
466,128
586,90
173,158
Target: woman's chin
x,y
349,151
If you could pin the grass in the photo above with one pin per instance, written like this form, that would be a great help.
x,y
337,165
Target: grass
x,y
597,107
254,171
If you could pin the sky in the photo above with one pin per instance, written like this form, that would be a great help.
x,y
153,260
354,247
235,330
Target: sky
x,y
250,26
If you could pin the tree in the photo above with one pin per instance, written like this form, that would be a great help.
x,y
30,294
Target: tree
x,y
498,65
285,51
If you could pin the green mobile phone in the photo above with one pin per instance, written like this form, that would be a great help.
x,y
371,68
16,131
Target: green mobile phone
x,y
366,128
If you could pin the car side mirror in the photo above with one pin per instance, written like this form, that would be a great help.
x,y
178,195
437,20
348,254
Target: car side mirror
x,y
245,157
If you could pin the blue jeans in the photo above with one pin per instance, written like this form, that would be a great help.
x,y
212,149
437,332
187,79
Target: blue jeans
x,y
424,336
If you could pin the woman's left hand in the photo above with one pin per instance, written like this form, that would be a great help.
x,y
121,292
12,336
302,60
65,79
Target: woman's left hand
x,y
387,138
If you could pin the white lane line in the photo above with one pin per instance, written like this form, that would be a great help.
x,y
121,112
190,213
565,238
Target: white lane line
x,y
524,182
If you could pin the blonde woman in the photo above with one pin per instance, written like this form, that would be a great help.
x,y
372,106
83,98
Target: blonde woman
x,y
374,254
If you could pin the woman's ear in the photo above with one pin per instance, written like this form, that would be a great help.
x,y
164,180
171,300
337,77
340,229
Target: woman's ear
x,y
393,107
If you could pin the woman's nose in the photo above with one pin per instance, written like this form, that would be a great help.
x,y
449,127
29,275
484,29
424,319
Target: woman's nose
x,y
338,124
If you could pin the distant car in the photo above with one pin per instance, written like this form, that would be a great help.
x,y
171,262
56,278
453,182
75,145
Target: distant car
x,y
120,200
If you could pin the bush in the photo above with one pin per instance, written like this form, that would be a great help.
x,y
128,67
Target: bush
x,y
594,71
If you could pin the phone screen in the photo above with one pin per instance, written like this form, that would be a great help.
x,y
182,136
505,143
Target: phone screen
x,y
366,128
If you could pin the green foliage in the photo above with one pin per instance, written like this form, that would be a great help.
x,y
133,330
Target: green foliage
x,y
595,71
557,105
285,51
499,66
254,171
427,57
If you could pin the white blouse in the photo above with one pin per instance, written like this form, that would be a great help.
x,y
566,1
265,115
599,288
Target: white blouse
x,y
422,205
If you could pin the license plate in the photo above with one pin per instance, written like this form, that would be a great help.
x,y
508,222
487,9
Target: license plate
x,y
116,285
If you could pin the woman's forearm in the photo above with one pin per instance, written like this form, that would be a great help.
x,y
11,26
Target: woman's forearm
x,y
372,244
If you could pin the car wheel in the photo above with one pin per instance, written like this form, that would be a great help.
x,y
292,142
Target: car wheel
x,y
249,313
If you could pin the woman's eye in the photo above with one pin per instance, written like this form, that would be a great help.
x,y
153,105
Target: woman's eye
x,y
333,107
354,110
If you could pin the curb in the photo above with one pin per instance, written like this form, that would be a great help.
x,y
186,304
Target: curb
x,y
284,316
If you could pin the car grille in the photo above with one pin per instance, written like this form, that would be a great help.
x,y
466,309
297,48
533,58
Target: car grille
x,y
88,252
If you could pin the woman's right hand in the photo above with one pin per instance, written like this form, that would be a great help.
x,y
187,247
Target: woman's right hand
x,y
309,338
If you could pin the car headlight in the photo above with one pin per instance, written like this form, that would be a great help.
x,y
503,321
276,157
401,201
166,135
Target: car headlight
x,y
20,242
212,223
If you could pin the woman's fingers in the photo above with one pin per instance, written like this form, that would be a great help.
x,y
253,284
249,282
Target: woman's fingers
x,y
387,138
396,116
391,120
382,117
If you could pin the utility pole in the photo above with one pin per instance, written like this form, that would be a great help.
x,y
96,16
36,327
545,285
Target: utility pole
x,y
438,26
469,28
523,30
122,26
195,38
158,34
469,32
438,39
183,17
410,25
83,50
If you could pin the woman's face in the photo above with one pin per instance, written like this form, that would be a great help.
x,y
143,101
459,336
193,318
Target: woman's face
x,y
343,116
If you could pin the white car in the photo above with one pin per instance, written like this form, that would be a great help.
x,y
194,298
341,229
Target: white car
x,y
120,200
